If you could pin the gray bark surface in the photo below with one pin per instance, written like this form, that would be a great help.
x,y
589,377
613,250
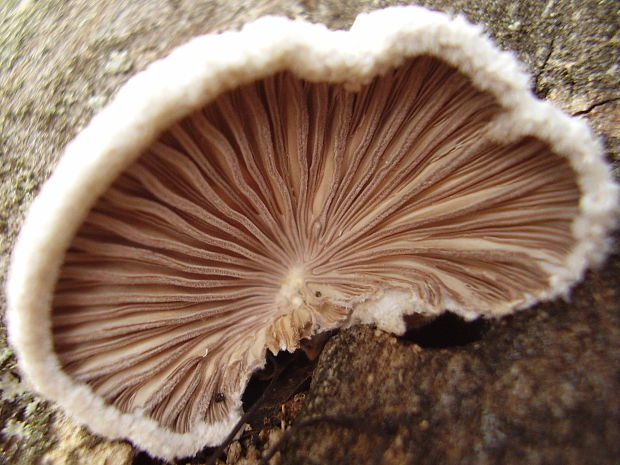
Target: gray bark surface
x,y
539,387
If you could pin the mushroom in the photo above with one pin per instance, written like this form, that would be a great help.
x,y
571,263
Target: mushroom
x,y
255,188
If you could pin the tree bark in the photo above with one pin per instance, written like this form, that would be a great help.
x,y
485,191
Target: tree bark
x,y
538,387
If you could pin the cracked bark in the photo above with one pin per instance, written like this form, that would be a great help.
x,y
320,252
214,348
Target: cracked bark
x,y
594,106
541,70
540,387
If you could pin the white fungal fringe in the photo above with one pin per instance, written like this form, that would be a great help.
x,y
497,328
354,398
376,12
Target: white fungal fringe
x,y
400,167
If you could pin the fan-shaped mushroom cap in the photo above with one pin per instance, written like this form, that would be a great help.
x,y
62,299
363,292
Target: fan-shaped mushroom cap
x,y
256,187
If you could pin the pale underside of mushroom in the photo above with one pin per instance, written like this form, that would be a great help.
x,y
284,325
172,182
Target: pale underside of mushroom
x,y
259,187
266,216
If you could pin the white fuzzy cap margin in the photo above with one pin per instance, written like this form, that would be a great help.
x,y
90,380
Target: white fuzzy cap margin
x,y
196,73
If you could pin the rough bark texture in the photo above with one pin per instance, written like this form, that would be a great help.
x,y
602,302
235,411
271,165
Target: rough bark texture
x,y
539,387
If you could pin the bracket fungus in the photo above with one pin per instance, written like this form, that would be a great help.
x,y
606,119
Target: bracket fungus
x,y
257,187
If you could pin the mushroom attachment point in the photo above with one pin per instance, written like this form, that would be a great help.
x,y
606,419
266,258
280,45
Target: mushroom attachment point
x,y
228,204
